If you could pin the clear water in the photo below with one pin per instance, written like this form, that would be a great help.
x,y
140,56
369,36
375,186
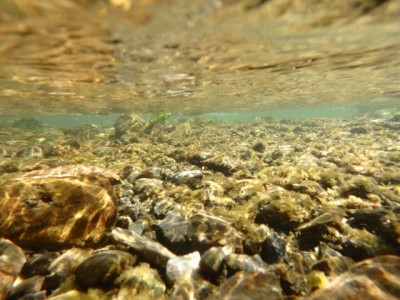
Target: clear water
x,y
73,61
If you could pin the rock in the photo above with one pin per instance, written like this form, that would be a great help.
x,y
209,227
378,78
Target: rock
x,y
148,250
334,265
163,206
284,210
12,258
28,289
250,285
273,248
375,278
259,147
211,264
66,263
126,123
324,228
64,266
38,264
360,244
217,162
57,211
140,282
148,186
174,232
358,130
102,268
200,232
242,262
124,222
182,267
191,178
77,295
385,224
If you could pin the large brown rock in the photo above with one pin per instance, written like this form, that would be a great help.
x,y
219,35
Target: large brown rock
x,y
57,211
375,278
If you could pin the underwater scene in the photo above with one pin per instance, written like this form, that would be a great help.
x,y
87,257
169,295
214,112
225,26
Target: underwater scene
x,y
199,149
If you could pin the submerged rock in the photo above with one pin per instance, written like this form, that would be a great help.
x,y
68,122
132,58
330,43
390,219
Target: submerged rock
x,y
12,258
28,289
102,268
375,278
132,123
140,282
55,212
148,250
250,285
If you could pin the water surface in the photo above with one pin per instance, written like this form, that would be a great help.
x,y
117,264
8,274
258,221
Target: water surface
x,y
92,57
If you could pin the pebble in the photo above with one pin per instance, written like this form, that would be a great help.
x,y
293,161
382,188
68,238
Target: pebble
x,y
102,268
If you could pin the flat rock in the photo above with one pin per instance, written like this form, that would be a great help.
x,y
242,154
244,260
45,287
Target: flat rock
x,y
198,232
148,250
57,211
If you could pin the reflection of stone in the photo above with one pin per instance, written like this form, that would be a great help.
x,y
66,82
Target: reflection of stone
x,y
57,211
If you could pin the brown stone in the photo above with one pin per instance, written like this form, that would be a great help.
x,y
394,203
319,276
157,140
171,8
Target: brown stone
x,y
375,278
56,212
250,285
12,258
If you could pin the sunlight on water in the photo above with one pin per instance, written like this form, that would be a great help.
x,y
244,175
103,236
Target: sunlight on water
x,y
149,57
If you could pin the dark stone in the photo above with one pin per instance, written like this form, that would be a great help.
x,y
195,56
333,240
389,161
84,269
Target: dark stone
x,y
356,249
29,287
259,147
174,233
211,264
124,222
38,264
273,248
102,268
385,224
334,265
321,229
358,130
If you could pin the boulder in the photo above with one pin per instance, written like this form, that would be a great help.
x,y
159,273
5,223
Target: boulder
x,y
57,211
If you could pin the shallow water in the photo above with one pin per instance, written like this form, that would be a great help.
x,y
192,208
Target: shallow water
x,y
77,57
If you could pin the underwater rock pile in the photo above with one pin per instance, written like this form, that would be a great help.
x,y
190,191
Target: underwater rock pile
x,y
198,209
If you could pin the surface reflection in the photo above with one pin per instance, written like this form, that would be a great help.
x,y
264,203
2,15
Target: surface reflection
x,y
99,57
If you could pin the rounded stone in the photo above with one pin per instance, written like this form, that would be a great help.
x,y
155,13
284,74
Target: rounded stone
x,y
102,268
